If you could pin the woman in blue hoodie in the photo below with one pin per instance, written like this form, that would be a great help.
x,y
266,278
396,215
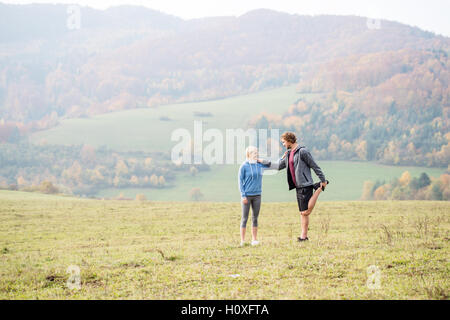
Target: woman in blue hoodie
x,y
250,186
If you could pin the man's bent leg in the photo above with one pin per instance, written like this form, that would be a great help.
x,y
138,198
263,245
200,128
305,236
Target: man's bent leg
x,y
313,200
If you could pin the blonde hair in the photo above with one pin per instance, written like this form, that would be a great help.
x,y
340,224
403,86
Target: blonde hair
x,y
250,150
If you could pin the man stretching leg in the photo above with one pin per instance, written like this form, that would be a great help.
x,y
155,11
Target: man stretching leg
x,y
299,163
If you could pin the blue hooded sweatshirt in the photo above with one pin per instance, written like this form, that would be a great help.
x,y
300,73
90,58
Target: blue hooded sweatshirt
x,y
250,178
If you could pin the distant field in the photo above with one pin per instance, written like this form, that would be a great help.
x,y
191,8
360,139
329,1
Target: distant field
x,y
143,129
220,184
163,250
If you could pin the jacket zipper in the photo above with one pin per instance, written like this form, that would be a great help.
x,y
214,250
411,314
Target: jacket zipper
x,y
305,177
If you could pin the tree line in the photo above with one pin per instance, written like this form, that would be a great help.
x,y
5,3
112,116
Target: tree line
x,y
83,169
409,188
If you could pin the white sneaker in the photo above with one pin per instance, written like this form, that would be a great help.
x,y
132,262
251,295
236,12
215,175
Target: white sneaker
x,y
242,243
255,242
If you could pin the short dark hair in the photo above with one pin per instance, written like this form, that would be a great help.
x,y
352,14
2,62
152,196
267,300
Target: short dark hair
x,y
289,137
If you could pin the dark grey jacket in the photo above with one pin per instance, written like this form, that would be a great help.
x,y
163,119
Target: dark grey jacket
x,y
303,163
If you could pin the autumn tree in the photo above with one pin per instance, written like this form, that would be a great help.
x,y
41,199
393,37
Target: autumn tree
x,y
121,168
154,180
48,187
141,197
405,179
161,181
367,190
193,171
380,193
195,194
88,154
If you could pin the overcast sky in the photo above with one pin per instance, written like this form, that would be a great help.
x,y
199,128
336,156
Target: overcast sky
x,y
431,15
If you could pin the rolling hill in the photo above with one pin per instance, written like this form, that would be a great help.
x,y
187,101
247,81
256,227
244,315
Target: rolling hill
x,y
128,57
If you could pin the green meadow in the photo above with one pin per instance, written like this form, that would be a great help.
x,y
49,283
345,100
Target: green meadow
x,y
150,129
167,250
221,183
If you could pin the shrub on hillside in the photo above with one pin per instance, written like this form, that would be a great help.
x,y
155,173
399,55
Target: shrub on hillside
x,y
48,187
141,197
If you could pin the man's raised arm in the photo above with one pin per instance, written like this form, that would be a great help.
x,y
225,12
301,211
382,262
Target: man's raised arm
x,y
278,165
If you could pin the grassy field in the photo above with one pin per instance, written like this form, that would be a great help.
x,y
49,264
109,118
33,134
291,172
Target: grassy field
x,y
220,184
143,129
163,250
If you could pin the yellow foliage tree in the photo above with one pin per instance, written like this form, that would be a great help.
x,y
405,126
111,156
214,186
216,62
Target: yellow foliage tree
x,y
405,179
148,162
361,150
21,181
154,180
48,187
134,180
367,190
141,197
380,193
193,171
196,194
121,168
74,173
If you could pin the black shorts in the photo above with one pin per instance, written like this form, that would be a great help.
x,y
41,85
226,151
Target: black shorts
x,y
303,196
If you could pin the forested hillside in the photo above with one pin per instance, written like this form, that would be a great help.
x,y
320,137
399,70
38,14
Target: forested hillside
x,y
128,57
392,107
